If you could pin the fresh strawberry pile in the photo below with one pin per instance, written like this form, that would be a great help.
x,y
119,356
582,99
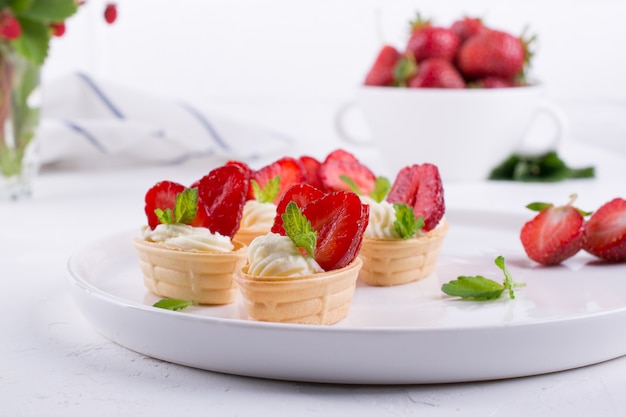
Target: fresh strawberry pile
x,y
221,195
468,53
338,218
559,232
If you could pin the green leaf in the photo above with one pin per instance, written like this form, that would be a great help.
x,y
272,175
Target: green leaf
x,y
355,188
48,10
18,6
34,42
298,228
184,210
542,168
173,304
477,288
539,206
269,192
381,189
406,225
165,216
509,284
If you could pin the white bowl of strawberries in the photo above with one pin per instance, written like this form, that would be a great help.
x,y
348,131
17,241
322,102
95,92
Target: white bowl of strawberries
x,y
456,96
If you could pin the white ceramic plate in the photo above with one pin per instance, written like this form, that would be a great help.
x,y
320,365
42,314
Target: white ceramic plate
x,y
567,316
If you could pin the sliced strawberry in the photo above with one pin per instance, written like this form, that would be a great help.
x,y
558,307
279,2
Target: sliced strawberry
x,y
606,231
302,194
161,196
311,169
340,220
339,163
381,73
420,186
248,171
288,169
553,235
223,191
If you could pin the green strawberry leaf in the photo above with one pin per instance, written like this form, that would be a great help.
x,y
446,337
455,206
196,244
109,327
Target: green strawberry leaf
x,y
34,42
46,10
269,192
406,225
184,211
173,304
539,206
298,228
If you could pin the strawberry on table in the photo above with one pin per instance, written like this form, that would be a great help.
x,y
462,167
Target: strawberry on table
x,y
606,231
420,187
340,163
555,234
381,74
437,73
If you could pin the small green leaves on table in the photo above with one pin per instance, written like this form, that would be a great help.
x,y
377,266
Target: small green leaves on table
x,y
542,168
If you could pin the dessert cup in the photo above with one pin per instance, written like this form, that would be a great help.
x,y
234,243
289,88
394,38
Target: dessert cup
x,y
245,235
204,277
388,262
322,299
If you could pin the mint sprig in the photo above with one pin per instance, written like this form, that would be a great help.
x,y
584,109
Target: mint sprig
x,y
378,194
298,228
173,304
267,193
406,225
184,211
480,288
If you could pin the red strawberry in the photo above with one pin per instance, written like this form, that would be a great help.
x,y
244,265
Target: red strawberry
x,y
161,196
311,169
10,28
288,169
302,194
553,235
606,231
437,73
495,82
420,186
433,42
382,71
339,163
492,53
467,27
249,172
58,28
340,220
223,191
110,13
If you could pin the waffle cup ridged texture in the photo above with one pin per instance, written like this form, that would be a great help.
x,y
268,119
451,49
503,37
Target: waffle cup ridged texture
x,y
388,262
320,299
204,277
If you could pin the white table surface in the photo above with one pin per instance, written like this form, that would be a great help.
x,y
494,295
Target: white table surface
x,y
53,363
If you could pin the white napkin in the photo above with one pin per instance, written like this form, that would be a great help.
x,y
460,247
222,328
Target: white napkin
x,y
93,121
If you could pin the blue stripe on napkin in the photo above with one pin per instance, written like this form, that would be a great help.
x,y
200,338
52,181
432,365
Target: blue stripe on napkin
x,y
98,91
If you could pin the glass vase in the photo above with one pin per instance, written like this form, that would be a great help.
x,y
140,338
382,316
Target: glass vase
x,y
20,102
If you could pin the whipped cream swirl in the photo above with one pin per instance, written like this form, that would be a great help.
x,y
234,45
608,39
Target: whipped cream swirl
x,y
187,237
258,215
273,255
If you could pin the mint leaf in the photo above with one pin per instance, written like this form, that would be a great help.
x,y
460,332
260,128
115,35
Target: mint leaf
x,y
477,288
34,42
186,206
481,288
298,228
173,304
184,211
406,225
381,189
269,192
355,188
47,10
543,168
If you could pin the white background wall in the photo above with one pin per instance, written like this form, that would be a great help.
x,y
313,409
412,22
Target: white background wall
x,y
290,64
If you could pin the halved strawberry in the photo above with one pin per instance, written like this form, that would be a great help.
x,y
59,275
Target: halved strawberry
x,y
162,196
606,231
420,186
553,235
382,71
311,169
339,163
288,169
340,220
223,191
302,194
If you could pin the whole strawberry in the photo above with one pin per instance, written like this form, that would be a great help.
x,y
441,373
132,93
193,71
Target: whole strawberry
x,y
606,231
555,234
467,27
437,73
381,74
492,53
433,42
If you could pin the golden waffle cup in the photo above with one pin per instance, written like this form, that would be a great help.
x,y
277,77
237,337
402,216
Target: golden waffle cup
x,y
204,277
388,262
321,299
245,235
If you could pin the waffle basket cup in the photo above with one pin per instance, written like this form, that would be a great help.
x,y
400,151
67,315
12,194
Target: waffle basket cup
x,y
204,277
321,299
245,235
388,262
